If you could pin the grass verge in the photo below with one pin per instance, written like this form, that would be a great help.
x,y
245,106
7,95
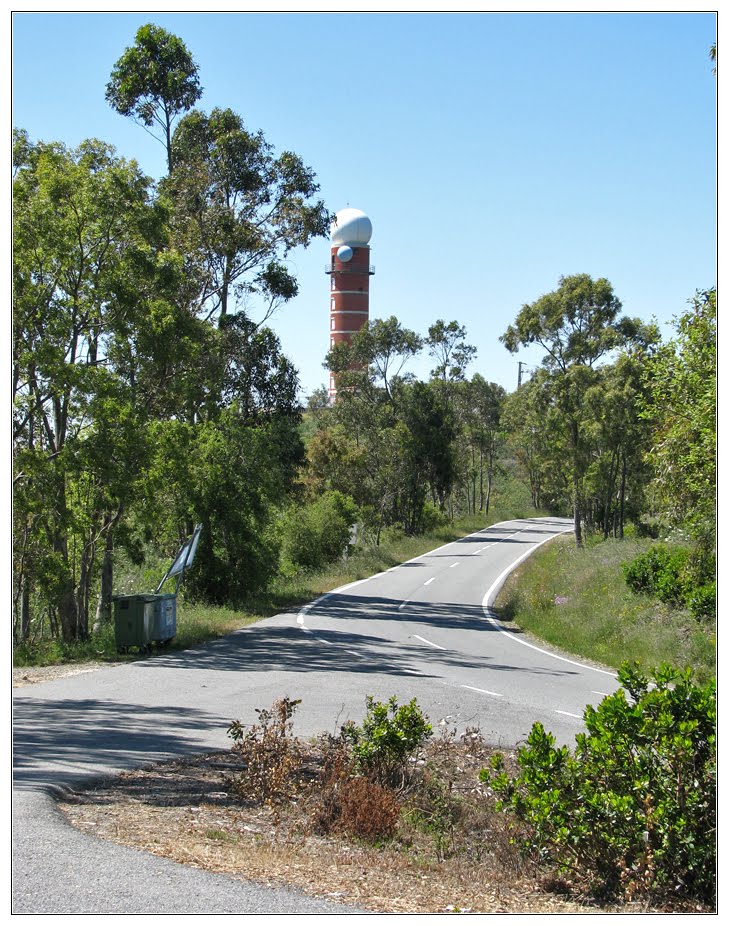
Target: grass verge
x,y
578,600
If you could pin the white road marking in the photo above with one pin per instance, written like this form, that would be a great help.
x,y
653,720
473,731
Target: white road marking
x,y
429,581
423,640
567,714
407,601
602,694
493,694
491,595
453,565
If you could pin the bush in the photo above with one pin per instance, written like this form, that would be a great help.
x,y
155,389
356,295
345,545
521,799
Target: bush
x,y
702,602
318,533
677,577
366,810
388,737
270,753
634,809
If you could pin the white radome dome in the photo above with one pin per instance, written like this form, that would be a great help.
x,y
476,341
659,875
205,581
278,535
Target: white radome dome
x,y
351,227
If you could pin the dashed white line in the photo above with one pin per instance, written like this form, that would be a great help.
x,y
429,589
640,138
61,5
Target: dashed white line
x,y
453,565
423,640
494,694
429,581
567,714
602,694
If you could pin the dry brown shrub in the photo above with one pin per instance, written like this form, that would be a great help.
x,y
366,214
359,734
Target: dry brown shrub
x,y
367,810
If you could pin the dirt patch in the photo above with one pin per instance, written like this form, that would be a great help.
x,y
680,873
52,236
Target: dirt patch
x,y
187,812
32,675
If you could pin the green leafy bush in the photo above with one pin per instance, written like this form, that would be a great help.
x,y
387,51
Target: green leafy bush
x,y
633,810
318,533
387,739
702,602
679,577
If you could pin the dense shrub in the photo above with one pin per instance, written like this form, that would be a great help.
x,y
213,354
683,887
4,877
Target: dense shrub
x,y
633,810
318,533
387,739
678,577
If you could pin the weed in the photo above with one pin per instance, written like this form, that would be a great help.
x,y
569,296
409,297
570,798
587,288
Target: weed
x,y
272,756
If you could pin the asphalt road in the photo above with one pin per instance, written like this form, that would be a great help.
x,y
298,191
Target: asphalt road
x,y
422,629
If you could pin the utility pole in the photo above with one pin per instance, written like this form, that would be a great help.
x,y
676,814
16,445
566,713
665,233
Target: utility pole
x,y
521,364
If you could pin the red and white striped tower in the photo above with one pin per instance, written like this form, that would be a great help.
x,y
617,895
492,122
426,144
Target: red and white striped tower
x,y
350,272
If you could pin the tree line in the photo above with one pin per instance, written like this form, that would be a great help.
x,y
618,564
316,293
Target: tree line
x,y
150,393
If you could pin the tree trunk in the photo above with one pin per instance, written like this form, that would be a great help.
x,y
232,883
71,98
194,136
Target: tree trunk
x,y
489,480
103,606
576,509
623,480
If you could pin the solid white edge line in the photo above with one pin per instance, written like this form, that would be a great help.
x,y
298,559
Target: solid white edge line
x,y
490,596
344,588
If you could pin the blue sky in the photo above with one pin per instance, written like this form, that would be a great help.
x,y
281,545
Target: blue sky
x,y
494,153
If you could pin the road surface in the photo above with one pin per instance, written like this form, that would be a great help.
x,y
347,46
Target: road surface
x,y
423,629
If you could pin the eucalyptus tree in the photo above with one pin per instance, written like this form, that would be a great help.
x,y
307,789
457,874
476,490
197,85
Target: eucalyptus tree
x,y
536,436
90,272
681,401
239,210
447,345
479,407
154,81
577,325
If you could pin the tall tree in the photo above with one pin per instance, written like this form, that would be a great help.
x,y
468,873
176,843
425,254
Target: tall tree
x,y
480,406
577,325
89,268
681,383
375,357
447,346
154,81
239,210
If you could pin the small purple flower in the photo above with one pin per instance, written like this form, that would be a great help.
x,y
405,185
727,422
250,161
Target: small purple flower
x,y
560,599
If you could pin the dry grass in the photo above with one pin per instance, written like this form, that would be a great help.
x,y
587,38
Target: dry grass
x,y
185,811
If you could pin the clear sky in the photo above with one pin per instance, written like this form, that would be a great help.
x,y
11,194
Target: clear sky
x,y
493,153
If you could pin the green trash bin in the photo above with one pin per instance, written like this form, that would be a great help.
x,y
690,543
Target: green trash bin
x,y
134,621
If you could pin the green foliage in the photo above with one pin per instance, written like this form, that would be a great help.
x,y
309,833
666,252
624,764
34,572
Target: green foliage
x,y
633,810
317,533
681,402
579,601
676,576
154,80
271,755
238,210
388,737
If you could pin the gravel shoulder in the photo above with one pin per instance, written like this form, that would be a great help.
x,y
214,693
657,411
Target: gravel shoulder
x,y
33,675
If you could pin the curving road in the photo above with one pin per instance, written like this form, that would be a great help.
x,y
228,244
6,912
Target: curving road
x,y
422,629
